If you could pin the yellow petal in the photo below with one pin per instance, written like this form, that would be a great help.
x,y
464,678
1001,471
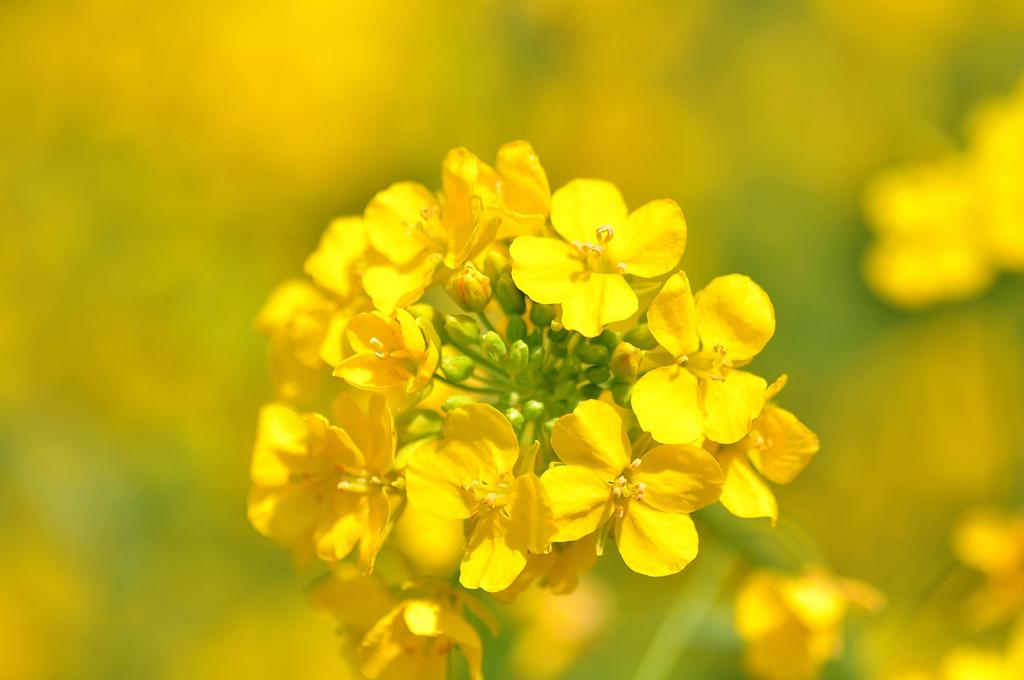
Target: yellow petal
x,y
544,268
352,598
524,184
651,241
596,300
465,636
470,212
571,562
377,514
481,433
666,402
342,245
395,221
776,387
583,205
342,524
672,317
436,482
734,312
367,419
745,494
655,543
580,499
286,514
678,478
410,331
731,405
400,286
592,436
531,519
786,445
490,563
367,372
281,434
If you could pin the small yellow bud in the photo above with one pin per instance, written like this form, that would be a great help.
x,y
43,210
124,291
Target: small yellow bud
x,y
470,288
625,362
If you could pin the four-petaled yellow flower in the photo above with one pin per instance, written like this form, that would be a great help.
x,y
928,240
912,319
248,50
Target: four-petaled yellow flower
x,y
388,353
648,498
778,446
792,625
698,387
322,488
471,475
604,243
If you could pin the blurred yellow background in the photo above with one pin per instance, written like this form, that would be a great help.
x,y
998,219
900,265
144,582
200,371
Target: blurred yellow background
x,y
162,167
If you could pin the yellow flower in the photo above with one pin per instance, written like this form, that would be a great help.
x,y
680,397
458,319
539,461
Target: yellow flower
x,y
522,189
792,625
320,488
648,499
336,264
419,233
471,475
991,540
697,388
778,446
297,319
586,273
389,353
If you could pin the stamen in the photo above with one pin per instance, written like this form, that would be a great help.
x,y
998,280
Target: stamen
x,y
605,233
621,268
635,464
378,348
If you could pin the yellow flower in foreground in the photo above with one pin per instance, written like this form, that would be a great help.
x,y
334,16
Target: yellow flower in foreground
x,y
470,475
778,446
698,388
586,273
320,488
419,233
992,541
648,499
792,625
389,353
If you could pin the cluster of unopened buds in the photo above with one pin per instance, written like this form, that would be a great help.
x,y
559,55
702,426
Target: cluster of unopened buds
x,y
533,365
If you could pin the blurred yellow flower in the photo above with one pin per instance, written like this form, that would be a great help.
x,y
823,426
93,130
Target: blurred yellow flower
x,y
792,625
648,499
697,388
603,244
471,475
320,488
991,540
389,353
337,263
778,447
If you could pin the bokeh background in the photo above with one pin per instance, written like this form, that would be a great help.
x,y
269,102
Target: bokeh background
x,y
163,166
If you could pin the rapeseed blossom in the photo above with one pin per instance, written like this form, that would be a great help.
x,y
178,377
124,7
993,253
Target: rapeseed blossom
x,y
464,337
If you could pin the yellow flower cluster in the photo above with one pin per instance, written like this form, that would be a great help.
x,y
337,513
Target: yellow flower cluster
x,y
945,229
481,355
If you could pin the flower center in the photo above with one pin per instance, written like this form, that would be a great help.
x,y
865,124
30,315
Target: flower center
x,y
713,364
487,495
592,253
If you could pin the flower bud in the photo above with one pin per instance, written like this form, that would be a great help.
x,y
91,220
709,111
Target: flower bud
x,y
516,418
452,403
495,264
509,297
462,329
558,334
609,339
533,409
622,393
494,347
541,315
641,337
625,363
518,357
458,367
598,374
537,357
549,425
590,391
516,329
592,354
470,288
418,424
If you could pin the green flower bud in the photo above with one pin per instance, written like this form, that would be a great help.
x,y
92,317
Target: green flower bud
x,y
516,418
418,424
564,389
535,338
609,339
457,367
559,349
558,334
541,315
509,297
625,363
494,347
533,409
549,425
452,403
641,337
516,329
622,393
518,358
592,354
598,374
537,357
462,329
495,264
470,288
569,369
590,392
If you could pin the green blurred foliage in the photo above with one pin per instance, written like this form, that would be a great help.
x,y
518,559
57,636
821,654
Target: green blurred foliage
x,y
163,166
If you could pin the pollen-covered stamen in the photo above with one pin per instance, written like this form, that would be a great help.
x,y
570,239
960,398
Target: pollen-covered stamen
x,y
605,233
621,268
488,495
378,348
